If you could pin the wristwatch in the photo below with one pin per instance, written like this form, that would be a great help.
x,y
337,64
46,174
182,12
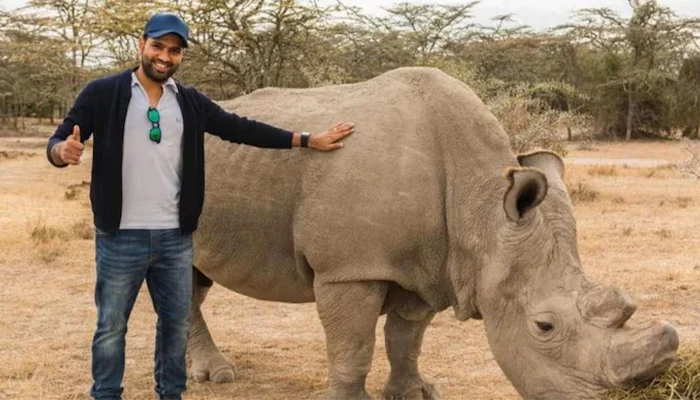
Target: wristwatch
x,y
305,139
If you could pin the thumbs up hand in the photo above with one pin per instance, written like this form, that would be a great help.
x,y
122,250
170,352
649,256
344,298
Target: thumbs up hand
x,y
71,150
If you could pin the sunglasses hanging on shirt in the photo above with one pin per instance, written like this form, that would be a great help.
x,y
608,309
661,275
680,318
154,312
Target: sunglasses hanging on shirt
x,y
154,117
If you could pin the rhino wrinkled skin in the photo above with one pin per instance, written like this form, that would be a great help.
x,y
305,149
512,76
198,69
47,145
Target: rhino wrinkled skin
x,y
425,208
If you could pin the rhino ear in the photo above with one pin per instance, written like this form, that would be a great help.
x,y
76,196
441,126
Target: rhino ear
x,y
548,162
527,189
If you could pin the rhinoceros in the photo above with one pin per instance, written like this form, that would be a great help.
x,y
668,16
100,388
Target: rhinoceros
x,y
426,208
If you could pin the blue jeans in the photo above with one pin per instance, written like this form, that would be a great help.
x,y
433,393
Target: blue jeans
x,y
124,259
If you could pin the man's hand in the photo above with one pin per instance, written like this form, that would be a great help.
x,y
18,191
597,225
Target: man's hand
x,y
70,150
329,140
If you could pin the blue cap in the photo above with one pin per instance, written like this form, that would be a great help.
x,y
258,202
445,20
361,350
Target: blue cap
x,y
164,24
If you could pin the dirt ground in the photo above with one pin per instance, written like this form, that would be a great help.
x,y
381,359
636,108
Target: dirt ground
x,y
639,228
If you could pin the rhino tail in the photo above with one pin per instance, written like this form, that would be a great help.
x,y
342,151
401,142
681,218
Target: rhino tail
x,y
200,279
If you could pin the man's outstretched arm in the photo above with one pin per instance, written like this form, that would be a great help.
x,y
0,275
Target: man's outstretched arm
x,y
237,129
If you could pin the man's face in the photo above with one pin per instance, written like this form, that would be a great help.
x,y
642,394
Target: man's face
x,y
160,57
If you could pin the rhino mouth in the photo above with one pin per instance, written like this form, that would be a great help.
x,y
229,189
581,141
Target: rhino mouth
x,y
639,355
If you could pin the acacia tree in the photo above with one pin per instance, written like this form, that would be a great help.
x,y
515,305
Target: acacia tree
x,y
640,54
35,73
430,29
53,41
253,43
687,110
504,51
69,22
120,23
405,35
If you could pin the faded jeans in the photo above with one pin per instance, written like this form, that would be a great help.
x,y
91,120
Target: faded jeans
x,y
124,259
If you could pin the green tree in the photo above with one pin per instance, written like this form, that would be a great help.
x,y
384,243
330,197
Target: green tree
x,y
687,108
640,58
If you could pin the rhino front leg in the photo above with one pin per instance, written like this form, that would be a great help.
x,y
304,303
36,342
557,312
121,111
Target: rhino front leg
x,y
403,339
349,314
207,361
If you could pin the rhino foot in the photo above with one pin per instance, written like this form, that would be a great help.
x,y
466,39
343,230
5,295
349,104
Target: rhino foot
x,y
216,370
344,395
422,391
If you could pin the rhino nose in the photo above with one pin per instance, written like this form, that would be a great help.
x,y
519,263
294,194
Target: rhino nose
x,y
606,307
642,354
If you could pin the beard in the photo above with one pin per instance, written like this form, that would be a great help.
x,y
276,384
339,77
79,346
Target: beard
x,y
152,73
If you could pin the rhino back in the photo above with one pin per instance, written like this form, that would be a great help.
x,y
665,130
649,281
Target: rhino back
x,y
274,220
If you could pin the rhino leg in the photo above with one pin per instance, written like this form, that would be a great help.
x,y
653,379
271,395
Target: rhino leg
x,y
207,361
403,339
349,314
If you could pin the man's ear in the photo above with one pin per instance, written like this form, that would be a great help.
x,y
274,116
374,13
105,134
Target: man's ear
x,y
142,43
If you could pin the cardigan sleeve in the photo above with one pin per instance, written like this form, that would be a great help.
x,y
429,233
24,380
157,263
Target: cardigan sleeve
x,y
237,129
80,114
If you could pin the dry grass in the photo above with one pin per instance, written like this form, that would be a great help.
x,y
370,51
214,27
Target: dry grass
x,y
603,170
581,192
27,144
48,241
32,127
660,171
14,154
684,201
71,193
663,233
587,145
41,233
74,191
82,230
668,151
47,313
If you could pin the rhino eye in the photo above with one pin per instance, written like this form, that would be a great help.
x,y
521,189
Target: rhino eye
x,y
545,327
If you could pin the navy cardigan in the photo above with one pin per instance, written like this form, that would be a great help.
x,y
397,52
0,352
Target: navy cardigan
x,y
100,110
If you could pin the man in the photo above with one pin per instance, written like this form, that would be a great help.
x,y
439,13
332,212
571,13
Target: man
x,y
147,191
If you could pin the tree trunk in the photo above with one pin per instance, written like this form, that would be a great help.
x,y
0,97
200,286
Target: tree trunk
x,y
5,111
568,132
15,115
630,116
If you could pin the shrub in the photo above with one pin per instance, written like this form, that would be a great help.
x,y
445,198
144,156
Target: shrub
x,y
71,193
663,233
603,170
83,230
583,192
44,234
684,202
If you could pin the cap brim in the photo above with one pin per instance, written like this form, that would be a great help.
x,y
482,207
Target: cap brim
x,y
159,34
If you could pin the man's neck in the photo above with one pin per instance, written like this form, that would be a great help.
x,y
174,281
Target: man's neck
x,y
153,89
148,83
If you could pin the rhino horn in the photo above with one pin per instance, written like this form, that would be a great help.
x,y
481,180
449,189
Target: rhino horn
x,y
638,355
606,307
527,189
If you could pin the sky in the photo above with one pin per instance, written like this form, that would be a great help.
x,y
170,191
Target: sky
x,y
539,14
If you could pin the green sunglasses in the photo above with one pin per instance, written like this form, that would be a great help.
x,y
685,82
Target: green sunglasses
x,y
154,117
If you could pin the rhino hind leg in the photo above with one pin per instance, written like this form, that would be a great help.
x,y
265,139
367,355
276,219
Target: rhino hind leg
x,y
403,339
349,312
207,361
